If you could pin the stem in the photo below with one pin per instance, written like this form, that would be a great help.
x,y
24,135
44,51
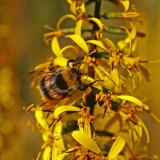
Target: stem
x,y
91,97
97,13
155,61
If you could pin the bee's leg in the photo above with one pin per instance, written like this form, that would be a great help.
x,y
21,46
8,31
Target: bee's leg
x,y
69,61
88,85
74,60
51,68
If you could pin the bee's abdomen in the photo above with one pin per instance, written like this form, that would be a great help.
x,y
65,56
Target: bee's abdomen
x,y
61,83
44,87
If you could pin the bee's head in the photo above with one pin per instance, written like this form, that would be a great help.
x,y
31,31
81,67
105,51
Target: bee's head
x,y
76,73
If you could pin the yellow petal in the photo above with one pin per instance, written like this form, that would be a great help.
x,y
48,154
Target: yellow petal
x,y
116,147
134,45
78,95
87,128
60,54
121,44
56,153
80,122
133,31
155,117
125,4
58,140
79,41
78,27
131,99
47,153
65,108
130,62
104,75
48,36
88,80
60,61
144,127
46,135
65,17
73,8
55,46
109,44
64,154
82,7
98,22
115,77
102,72
137,133
99,44
86,141
42,66
69,1
40,119
128,39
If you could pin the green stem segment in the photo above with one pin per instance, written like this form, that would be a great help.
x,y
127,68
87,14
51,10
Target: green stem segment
x,y
97,13
91,97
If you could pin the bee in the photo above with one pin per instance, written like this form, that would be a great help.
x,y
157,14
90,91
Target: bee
x,y
55,84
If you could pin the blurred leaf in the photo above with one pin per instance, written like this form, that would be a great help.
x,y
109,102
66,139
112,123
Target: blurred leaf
x,y
104,148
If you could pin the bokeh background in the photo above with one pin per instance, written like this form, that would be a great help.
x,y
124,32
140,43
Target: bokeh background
x,y
22,48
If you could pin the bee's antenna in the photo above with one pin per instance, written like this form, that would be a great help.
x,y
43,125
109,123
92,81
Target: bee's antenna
x,y
79,66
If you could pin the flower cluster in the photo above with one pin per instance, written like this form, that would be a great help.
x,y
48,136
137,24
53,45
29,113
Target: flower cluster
x,y
89,74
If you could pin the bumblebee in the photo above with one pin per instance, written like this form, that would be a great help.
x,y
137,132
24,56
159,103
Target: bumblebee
x,y
55,84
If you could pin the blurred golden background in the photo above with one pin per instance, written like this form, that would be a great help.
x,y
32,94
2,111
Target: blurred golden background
x,y
22,48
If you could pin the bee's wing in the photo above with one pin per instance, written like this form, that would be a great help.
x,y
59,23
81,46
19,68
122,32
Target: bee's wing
x,y
36,76
49,105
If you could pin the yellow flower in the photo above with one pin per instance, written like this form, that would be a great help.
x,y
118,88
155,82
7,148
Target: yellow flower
x,y
129,109
58,31
49,36
76,6
106,99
